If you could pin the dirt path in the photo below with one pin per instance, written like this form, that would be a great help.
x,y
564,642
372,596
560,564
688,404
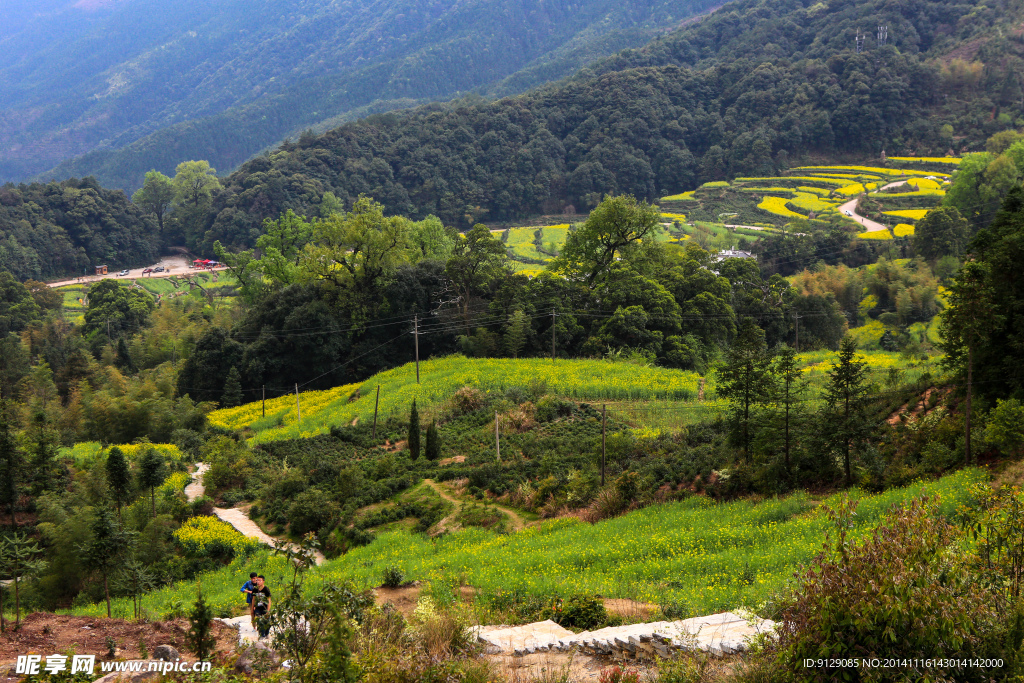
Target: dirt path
x,y
517,522
236,517
869,225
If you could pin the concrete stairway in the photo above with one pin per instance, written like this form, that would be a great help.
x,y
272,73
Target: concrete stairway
x,y
718,634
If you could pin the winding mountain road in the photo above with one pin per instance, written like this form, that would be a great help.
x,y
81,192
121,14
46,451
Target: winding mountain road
x,y
850,209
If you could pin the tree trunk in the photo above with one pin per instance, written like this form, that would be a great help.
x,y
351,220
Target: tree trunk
x,y
3,624
106,592
849,477
746,417
967,420
152,498
787,427
17,602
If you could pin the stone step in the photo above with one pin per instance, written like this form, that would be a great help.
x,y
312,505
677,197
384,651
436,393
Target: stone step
x,y
723,633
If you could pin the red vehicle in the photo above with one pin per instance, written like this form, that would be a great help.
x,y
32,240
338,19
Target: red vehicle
x,y
147,271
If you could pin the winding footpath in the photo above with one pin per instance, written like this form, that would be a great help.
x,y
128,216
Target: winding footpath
x,y
517,522
236,517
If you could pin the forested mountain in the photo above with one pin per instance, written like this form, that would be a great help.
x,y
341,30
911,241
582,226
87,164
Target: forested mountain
x,y
142,84
62,228
748,90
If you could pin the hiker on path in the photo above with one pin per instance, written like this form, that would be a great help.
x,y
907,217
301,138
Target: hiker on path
x,y
248,587
260,606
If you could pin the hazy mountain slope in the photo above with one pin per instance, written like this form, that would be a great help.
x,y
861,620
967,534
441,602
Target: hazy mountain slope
x,y
235,76
771,81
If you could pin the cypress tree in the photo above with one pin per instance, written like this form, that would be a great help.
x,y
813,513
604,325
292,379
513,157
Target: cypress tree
x,y
414,432
433,448
152,473
232,395
123,357
119,478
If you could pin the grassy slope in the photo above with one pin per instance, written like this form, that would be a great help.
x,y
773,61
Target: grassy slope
x,y
655,397
708,556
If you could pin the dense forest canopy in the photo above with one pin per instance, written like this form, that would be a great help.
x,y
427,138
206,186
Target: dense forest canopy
x,y
710,102
66,228
117,89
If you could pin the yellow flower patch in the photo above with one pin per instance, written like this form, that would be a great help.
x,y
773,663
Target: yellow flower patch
x,y
912,214
876,235
684,197
208,535
903,230
777,206
928,160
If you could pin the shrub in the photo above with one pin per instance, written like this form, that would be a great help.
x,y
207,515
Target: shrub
x,y
208,536
312,510
467,400
579,611
616,674
905,592
392,577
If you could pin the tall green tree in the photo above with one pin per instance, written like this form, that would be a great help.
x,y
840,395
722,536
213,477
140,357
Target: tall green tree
x,y
789,390
19,557
12,460
516,330
845,416
414,432
942,232
478,262
152,472
232,389
194,182
45,443
615,225
970,318
119,479
155,196
104,551
433,447
17,307
745,378
115,310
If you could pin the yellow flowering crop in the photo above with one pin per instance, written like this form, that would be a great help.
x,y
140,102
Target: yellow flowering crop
x,y
913,214
683,197
850,190
928,160
903,230
923,183
811,202
208,535
777,206
876,235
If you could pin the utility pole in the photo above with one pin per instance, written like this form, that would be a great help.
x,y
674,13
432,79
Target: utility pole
x,y
298,408
860,42
264,400
416,334
497,437
796,316
376,404
883,35
552,335
604,424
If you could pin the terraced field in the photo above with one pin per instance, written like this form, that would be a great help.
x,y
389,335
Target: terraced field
x,y
902,195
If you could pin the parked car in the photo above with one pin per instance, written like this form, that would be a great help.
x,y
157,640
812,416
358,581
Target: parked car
x,y
122,273
158,269
147,271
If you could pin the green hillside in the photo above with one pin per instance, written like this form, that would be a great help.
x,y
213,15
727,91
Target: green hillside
x,y
224,80
772,95
697,556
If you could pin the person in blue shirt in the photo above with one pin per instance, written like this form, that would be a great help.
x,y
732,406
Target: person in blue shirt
x,y
249,587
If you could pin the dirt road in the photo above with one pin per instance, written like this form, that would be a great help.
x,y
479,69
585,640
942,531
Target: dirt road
x,y
173,265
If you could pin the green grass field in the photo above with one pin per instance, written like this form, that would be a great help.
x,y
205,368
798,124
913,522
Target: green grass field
x,y
705,556
654,397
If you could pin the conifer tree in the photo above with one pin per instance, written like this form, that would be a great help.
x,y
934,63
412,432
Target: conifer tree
x,y
104,551
788,389
433,447
232,389
12,461
152,472
200,636
745,379
845,416
414,432
123,357
119,478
